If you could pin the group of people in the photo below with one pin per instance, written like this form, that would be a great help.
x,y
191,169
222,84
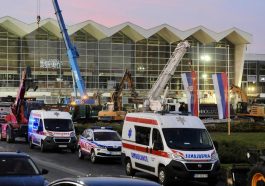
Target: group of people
x,y
183,107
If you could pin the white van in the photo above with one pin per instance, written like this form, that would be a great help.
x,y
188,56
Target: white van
x,y
170,147
51,130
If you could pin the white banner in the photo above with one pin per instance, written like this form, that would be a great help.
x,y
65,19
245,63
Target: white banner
x,y
50,63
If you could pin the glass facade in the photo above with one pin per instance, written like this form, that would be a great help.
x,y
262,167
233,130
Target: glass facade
x,y
253,79
104,62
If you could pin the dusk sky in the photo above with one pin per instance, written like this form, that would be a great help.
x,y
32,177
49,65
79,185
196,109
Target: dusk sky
x,y
216,15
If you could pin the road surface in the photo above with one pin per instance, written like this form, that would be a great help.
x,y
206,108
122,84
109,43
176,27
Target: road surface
x,y
63,164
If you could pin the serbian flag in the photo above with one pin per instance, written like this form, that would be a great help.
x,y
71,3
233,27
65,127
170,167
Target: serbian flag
x,y
189,80
220,82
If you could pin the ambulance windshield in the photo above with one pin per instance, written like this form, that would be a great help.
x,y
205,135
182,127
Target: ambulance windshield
x,y
187,139
60,125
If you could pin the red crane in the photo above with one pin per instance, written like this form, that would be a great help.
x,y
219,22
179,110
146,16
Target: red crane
x,y
17,119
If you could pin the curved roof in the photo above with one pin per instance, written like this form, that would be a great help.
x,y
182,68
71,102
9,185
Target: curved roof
x,y
134,32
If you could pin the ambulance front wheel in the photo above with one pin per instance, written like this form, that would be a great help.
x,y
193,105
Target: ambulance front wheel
x,y
162,176
31,146
43,147
128,168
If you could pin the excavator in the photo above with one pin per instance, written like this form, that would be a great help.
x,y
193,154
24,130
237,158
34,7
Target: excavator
x,y
255,111
113,110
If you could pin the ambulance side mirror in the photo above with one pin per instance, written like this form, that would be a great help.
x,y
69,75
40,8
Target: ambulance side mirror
x,y
39,129
157,145
216,145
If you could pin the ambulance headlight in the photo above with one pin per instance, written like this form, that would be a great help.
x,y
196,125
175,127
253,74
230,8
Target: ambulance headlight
x,y
48,139
214,156
72,134
175,156
50,134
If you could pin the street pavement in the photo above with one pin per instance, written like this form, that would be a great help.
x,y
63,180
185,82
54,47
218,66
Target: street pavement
x,y
63,164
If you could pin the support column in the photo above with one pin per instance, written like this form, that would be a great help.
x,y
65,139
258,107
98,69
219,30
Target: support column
x,y
239,63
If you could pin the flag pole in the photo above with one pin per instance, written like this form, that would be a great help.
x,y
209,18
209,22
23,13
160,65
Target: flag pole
x,y
228,94
198,75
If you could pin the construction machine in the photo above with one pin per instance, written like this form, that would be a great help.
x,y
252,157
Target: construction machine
x,y
86,112
253,173
5,107
113,109
244,108
154,101
16,121
85,102
256,175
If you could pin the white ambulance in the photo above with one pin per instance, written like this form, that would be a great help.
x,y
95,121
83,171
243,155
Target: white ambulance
x,y
51,130
169,146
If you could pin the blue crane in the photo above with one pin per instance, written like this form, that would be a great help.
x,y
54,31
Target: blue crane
x,y
72,56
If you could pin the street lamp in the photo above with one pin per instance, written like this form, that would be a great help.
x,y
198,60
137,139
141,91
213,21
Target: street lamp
x,y
251,89
204,76
141,68
205,58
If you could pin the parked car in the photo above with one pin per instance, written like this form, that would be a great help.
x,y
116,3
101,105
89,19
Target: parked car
x,y
102,181
99,142
18,169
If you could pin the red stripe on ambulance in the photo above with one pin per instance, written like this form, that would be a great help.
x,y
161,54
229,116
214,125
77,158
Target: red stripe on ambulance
x,y
145,150
142,120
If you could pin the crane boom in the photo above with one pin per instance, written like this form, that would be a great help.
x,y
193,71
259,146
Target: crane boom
x,y
26,82
153,98
71,52
16,121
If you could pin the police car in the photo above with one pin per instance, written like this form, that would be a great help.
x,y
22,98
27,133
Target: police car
x,y
99,142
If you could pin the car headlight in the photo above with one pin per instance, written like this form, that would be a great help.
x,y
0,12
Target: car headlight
x,y
48,139
101,148
214,155
72,134
49,133
176,156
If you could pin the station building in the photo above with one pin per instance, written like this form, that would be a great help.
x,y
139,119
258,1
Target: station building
x,y
106,52
253,79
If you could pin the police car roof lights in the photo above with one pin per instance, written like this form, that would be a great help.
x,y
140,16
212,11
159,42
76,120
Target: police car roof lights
x,y
98,127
